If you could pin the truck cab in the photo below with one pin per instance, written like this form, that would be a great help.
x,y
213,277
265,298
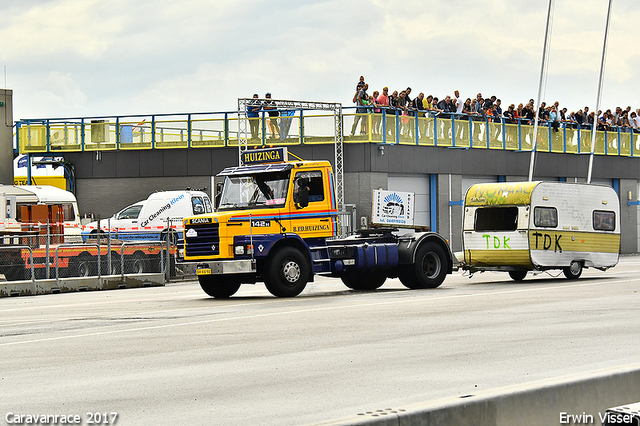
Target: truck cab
x,y
277,221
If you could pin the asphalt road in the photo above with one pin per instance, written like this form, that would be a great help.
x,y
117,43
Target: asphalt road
x,y
173,356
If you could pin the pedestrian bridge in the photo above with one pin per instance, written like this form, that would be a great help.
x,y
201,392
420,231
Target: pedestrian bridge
x,y
220,129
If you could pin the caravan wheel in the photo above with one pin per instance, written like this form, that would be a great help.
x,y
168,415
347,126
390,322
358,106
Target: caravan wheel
x,y
517,275
573,271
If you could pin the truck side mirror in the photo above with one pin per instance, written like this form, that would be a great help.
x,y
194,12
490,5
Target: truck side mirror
x,y
303,197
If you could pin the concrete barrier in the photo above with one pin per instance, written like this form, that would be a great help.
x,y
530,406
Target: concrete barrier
x,y
65,285
581,399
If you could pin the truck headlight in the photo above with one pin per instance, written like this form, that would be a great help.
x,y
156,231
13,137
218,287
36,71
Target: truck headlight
x,y
243,249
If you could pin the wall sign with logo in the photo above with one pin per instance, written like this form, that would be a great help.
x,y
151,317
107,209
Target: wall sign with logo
x,y
393,208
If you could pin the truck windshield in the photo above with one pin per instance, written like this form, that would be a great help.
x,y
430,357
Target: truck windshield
x,y
265,190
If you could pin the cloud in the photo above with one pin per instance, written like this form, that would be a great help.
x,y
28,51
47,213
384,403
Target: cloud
x,y
85,57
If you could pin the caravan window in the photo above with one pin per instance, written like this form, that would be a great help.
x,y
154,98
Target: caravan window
x,y
69,213
604,221
545,217
496,219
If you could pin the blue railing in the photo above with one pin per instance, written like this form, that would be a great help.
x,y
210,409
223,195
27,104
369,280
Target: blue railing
x,y
220,129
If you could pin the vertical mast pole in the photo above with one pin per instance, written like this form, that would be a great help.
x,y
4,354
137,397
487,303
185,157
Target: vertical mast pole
x,y
595,119
536,104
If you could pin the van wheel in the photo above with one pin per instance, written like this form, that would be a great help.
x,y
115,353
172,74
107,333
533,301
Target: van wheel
x,y
364,280
97,235
287,273
517,275
173,237
218,287
573,271
429,269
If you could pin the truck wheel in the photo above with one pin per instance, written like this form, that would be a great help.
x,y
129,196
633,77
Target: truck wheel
x,y
573,271
517,275
287,273
428,271
364,280
114,267
14,272
218,287
85,266
135,264
153,262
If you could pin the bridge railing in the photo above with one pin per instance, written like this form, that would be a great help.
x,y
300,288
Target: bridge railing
x,y
220,129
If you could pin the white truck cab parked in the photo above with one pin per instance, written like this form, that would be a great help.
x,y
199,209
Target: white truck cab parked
x,y
148,219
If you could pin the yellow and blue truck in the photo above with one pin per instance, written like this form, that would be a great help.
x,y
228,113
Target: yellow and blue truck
x,y
277,222
518,227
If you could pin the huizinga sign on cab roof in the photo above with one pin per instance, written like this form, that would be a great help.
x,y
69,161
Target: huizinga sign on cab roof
x,y
483,194
267,155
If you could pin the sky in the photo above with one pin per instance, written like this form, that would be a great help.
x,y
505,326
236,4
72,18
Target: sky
x,y
82,58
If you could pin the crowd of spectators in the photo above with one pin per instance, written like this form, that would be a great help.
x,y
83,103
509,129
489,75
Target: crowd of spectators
x,y
488,109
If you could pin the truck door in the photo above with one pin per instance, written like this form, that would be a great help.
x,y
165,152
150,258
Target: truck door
x,y
315,219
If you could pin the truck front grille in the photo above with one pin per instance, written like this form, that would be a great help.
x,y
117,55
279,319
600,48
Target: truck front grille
x,y
205,241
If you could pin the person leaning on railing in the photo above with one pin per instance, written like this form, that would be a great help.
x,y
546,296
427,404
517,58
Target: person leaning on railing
x,y
253,114
392,111
417,107
510,115
633,122
375,120
571,121
383,103
362,99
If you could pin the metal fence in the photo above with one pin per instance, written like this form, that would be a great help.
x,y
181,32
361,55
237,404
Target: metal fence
x,y
220,129
24,256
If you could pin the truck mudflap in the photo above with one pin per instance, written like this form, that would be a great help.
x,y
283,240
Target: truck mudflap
x,y
408,246
221,267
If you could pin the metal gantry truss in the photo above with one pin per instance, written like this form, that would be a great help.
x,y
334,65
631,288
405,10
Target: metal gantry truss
x,y
243,124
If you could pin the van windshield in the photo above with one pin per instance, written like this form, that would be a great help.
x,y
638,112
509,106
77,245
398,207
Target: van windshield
x,y
262,190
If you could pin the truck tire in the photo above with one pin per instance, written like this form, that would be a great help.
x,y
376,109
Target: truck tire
x,y
573,271
429,269
115,267
364,280
14,272
218,286
517,275
287,272
135,264
84,266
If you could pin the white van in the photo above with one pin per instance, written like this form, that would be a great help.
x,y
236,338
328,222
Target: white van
x,y
148,219
17,196
535,226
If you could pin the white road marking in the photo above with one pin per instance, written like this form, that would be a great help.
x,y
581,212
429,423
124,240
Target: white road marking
x,y
411,299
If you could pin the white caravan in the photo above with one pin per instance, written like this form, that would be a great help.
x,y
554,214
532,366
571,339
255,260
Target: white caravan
x,y
535,226
14,197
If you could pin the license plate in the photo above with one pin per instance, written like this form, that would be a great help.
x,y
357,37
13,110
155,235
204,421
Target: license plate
x,y
203,271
